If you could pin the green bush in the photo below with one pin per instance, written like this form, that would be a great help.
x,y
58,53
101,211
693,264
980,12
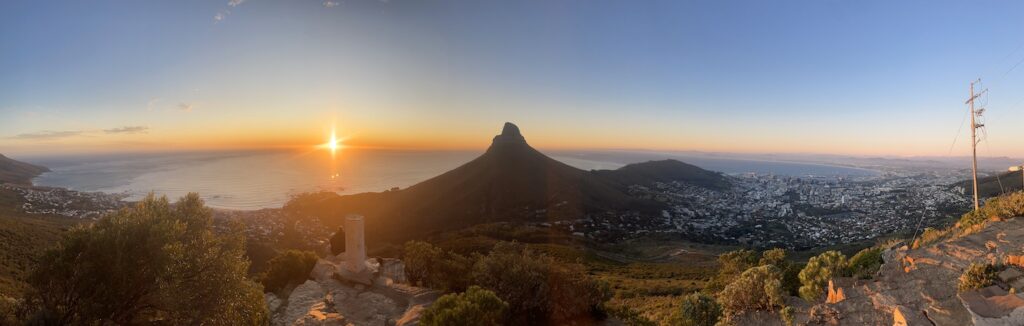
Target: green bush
x,y
776,256
538,288
865,263
288,269
152,263
698,309
476,306
436,268
758,288
978,276
731,264
819,270
786,313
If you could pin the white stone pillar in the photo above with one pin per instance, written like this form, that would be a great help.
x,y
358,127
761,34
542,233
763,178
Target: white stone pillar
x,y
355,247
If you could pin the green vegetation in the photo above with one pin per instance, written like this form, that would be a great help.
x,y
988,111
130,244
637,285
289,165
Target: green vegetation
x,y
786,313
153,263
287,270
476,306
23,237
731,265
995,209
699,309
537,288
978,276
758,288
865,263
819,271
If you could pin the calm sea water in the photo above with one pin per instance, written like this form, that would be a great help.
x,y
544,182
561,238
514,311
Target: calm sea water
x,y
253,180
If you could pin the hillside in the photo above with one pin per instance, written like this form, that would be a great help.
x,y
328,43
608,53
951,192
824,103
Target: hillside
x,y
17,172
991,186
511,181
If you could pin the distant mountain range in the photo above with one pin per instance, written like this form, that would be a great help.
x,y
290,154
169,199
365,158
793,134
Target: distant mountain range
x,y
511,181
17,172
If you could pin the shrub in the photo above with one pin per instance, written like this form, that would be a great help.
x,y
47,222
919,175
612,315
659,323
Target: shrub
x,y
538,288
476,306
775,257
978,276
865,263
699,309
819,270
731,264
758,288
287,269
436,268
152,263
930,236
786,313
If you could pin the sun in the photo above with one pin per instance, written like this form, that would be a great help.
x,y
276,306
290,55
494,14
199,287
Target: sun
x,y
334,143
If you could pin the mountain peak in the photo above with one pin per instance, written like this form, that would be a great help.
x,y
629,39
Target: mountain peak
x,y
509,134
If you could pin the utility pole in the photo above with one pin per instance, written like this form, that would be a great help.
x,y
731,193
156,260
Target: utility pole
x,y
974,138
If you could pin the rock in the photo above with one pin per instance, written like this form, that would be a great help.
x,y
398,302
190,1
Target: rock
x,y
301,301
1015,260
821,314
509,135
273,303
897,317
411,316
1009,275
835,294
323,270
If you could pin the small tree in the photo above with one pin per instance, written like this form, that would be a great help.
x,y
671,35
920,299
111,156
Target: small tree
x,y
699,309
978,276
289,268
776,256
476,306
819,270
731,264
153,263
866,262
436,268
758,288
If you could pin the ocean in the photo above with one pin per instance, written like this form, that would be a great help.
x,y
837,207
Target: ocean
x,y
267,179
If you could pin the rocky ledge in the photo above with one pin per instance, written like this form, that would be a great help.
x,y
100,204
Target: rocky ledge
x,y
379,296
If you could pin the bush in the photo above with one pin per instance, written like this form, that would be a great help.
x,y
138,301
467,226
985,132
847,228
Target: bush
x,y
758,288
288,269
786,313
476,306
152,263
538,288
699,309
436,268
776,257
930,236
978,276
731,264
865,263
819,270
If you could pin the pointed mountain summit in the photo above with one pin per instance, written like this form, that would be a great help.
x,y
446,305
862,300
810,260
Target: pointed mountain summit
x,y
512,181
509,135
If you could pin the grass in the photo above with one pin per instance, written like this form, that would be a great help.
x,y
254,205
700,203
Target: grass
x,y
23,237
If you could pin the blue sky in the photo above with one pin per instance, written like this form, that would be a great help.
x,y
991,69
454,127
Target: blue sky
x,y
847,77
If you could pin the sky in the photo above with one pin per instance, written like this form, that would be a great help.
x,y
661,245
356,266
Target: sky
x,y
814,76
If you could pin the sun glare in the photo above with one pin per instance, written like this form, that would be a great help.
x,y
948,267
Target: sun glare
x,y
333,143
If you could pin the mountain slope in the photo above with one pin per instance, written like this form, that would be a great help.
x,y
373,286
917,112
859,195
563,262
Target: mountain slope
x,y
511,181
16,172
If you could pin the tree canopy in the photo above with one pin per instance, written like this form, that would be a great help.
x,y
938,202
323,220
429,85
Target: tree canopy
x,y
153,263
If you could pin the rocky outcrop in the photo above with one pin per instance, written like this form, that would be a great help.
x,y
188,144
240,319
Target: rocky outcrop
x,y
331,297
919,286
835,294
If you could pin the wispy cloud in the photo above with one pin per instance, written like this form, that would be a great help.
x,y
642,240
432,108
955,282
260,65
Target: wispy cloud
x,y
48,135
127,130
185,107
235,3
221,15
331,4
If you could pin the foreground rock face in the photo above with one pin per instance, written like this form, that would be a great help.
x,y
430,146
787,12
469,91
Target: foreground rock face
x,y
919,287
332,297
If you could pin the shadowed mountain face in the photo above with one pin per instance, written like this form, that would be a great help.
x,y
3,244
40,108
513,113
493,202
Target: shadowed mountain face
x,y
17,172
512,181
